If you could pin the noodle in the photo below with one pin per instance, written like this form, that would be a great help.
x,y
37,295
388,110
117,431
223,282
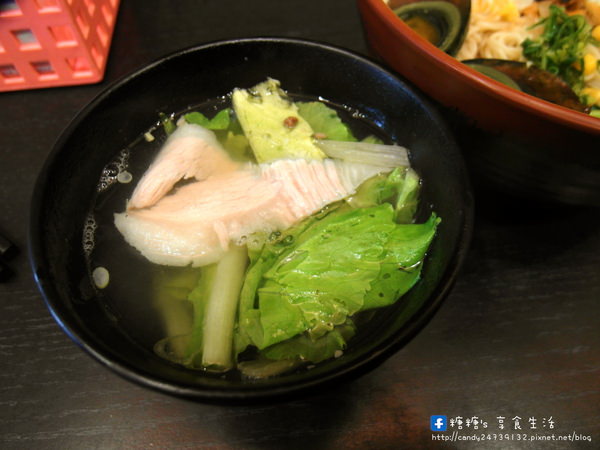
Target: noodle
x,y
498,28
496,31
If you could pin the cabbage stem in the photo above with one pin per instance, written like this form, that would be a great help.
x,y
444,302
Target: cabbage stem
x,y
382,155
219,320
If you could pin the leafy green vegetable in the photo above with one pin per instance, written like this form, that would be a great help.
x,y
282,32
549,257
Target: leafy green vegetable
x,y
388,156
227,129
220,121
199,297
407,200
327,124
303,348
214,300
293,352
292,303
297,286
272,124
171,290
560,48
298,299
237,145
263,251
376,190
221,308
325,121
400,188
262,367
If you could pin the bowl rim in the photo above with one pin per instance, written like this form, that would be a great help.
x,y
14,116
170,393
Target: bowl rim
x,y
480,82
36,253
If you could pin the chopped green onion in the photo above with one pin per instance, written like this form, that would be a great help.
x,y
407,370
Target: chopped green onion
x,y
560,48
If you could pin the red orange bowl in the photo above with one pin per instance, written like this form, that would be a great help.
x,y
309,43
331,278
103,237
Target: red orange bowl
x,y
514,142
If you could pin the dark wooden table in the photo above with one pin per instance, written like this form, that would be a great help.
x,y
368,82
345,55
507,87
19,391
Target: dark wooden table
x,y
518,337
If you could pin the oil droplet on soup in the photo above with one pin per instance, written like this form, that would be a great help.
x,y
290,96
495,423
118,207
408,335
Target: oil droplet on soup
x,y
101,277
124,177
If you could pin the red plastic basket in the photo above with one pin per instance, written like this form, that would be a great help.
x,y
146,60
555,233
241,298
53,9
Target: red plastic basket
x,y
46,43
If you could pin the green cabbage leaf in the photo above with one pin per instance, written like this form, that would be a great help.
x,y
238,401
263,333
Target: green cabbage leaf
x,y
293,304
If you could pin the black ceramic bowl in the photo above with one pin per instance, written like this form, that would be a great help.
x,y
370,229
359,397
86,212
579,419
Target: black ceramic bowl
x,y
67,186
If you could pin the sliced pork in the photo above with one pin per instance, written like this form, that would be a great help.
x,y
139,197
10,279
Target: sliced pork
x,y
195,223
190,152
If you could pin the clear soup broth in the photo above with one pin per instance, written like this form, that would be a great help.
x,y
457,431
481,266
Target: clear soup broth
x,y
148,300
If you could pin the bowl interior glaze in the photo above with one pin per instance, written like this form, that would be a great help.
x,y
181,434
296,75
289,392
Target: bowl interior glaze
x,y
67,183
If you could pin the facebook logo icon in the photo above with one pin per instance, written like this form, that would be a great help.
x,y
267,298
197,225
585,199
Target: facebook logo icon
x,y
438,423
